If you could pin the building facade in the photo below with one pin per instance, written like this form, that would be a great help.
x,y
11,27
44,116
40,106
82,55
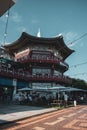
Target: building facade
x,y
37,62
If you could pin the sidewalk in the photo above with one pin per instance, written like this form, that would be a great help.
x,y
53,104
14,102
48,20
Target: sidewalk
x,y
11,113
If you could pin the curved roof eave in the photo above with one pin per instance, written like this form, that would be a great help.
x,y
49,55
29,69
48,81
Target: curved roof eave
x,y
25,38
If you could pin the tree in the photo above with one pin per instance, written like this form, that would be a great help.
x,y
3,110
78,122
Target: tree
x,y
78,83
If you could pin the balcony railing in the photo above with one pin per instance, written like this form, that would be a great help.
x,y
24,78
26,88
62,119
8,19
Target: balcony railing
x,y
35,77
55,61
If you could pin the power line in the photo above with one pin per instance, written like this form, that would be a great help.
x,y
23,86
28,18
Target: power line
x,y
6,27
78,39
78,64
74,41
84,73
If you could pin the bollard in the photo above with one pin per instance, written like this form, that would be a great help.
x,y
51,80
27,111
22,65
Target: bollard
x,y
75,103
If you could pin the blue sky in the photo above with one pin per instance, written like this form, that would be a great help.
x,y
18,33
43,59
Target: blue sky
x,y
68,17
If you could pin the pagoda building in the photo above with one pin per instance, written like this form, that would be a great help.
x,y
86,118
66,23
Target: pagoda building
x,y
40,62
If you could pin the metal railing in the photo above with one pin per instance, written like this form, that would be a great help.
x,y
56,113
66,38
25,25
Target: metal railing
x,y
34,77
54,61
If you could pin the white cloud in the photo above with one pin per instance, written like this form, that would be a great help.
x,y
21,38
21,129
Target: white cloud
x,y
70,37
21,29
34,21
16,17
4,18
82,44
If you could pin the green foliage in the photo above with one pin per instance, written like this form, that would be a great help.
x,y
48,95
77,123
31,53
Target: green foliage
x,y
78,83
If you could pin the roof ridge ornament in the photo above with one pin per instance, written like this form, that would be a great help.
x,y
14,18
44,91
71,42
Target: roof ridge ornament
x,y
38,33
59,35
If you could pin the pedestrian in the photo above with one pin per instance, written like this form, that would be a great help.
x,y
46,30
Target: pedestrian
x,y
20,99
75,103
65,99
30,99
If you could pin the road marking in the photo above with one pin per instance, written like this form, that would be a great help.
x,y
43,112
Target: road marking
x,y
34,120
71,125
83,117
70,115
55,122
38,128
60,119
83,109
84,124
30,123
45,115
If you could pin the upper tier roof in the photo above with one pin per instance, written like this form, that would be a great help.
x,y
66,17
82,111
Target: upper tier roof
x,y
5,5
26,39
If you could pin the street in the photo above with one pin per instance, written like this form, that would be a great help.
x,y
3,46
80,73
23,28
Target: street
x,y
73,118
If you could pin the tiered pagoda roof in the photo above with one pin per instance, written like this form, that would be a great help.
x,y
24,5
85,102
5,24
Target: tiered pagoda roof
x,y
26,39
